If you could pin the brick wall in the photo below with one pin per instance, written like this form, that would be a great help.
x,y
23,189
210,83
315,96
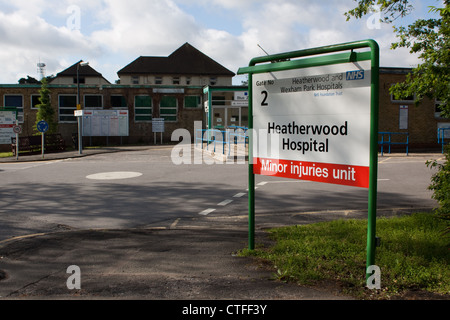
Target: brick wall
x,y
421,126
422,122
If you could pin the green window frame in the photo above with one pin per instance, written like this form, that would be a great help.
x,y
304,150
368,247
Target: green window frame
x,y
192,102
143,109
168,108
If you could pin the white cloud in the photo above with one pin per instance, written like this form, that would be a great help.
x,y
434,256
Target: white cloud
x,y
27,38
115,32
145,28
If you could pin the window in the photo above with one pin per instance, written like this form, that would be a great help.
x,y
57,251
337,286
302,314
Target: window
x,y
218,100
134,79
192,102
67,104
437,108
188,80
168,108
212,81
118,101
158,80
176,80
142,108
16,101
81,79
35,101
409,99
93,101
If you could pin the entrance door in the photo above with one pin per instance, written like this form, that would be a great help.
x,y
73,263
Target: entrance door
x,y
218,118
223,117
233,117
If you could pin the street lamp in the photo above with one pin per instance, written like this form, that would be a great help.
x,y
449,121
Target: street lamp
x,y
80,63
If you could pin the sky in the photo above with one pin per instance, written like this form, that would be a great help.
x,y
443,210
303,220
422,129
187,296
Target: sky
x,y
110,34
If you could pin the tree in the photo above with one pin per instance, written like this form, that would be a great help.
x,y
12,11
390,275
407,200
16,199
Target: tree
x,y
28,80
430,38
45,110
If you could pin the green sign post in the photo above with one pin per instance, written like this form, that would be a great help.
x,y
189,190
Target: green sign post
x,y
318,108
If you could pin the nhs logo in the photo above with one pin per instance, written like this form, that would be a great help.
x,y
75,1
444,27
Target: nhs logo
x,y
354,75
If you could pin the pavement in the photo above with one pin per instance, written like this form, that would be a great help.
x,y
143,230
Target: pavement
x,y
193,258
70,154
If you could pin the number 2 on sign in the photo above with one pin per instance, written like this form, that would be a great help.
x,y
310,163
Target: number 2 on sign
x,y
264,102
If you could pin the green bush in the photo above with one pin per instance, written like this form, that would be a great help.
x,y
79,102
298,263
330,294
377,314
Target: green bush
x,y
440,184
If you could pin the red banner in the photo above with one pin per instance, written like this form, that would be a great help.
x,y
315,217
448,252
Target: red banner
x,y
356,176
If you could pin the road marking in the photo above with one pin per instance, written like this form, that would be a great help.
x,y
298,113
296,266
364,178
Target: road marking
x,y
22,237
225,202
172,226
262,183
207,211
114,175
240,194
384,160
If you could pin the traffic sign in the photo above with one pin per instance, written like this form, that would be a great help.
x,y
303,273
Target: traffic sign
x,y
42,126
17,129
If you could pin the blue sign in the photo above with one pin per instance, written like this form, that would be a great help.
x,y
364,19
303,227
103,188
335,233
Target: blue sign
x,y
42,126
354,75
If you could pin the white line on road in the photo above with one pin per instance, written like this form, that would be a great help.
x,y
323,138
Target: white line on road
x,y
207,211
240,194
225,202
173,225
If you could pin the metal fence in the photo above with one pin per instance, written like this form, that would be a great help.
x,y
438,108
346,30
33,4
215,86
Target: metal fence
x,y
386,139
441,135
216,138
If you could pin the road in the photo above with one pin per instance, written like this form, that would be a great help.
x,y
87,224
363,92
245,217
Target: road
x,y
133,189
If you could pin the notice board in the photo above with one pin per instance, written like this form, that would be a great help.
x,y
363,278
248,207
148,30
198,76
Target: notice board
x,y
105,123
7,122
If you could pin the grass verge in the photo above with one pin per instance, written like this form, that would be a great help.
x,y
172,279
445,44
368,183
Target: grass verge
x,y
414,256
6,154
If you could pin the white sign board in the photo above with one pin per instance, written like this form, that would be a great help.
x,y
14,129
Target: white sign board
x,y
7,123
105,123
403,118
158,125
240,99
313,123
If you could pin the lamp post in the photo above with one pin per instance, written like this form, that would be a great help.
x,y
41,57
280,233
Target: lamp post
x,y
80,119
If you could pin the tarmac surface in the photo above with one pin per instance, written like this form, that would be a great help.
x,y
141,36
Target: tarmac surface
x,y
192,259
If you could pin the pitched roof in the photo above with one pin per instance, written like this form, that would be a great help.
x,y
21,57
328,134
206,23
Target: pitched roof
x,y
84,71
185,60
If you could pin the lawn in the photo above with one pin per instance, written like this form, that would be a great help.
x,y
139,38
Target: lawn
x,y
413,256
6,154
